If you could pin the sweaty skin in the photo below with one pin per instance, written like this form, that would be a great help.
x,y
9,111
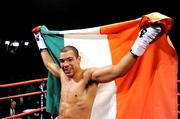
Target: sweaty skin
x,y
77,96
79,86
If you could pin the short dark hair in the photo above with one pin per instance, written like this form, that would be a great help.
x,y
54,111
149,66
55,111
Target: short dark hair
x,y
69,47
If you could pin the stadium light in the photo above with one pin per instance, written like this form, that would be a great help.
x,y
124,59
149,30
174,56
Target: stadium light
x,y
15,44
7,42
26,43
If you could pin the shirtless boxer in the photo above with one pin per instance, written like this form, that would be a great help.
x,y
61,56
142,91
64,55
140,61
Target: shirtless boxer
x,y
79,86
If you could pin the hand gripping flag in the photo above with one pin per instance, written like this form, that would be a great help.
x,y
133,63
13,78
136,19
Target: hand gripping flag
x,y
147,91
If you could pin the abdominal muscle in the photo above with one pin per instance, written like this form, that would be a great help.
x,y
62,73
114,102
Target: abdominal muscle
x,y
76,103
77,97
73,111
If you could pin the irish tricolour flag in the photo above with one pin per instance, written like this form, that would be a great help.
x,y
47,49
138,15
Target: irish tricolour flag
x,y
147,91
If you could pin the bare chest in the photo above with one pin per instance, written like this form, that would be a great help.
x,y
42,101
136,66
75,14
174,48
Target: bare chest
x,y
72,89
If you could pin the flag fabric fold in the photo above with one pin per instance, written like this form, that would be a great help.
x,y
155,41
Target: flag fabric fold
x,y
147,91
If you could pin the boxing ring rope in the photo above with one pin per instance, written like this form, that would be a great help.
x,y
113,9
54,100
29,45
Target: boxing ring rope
x,y
23,83
22,95
24,113
42,92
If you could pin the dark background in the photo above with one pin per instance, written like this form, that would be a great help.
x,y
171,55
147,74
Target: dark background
x,y
18,18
